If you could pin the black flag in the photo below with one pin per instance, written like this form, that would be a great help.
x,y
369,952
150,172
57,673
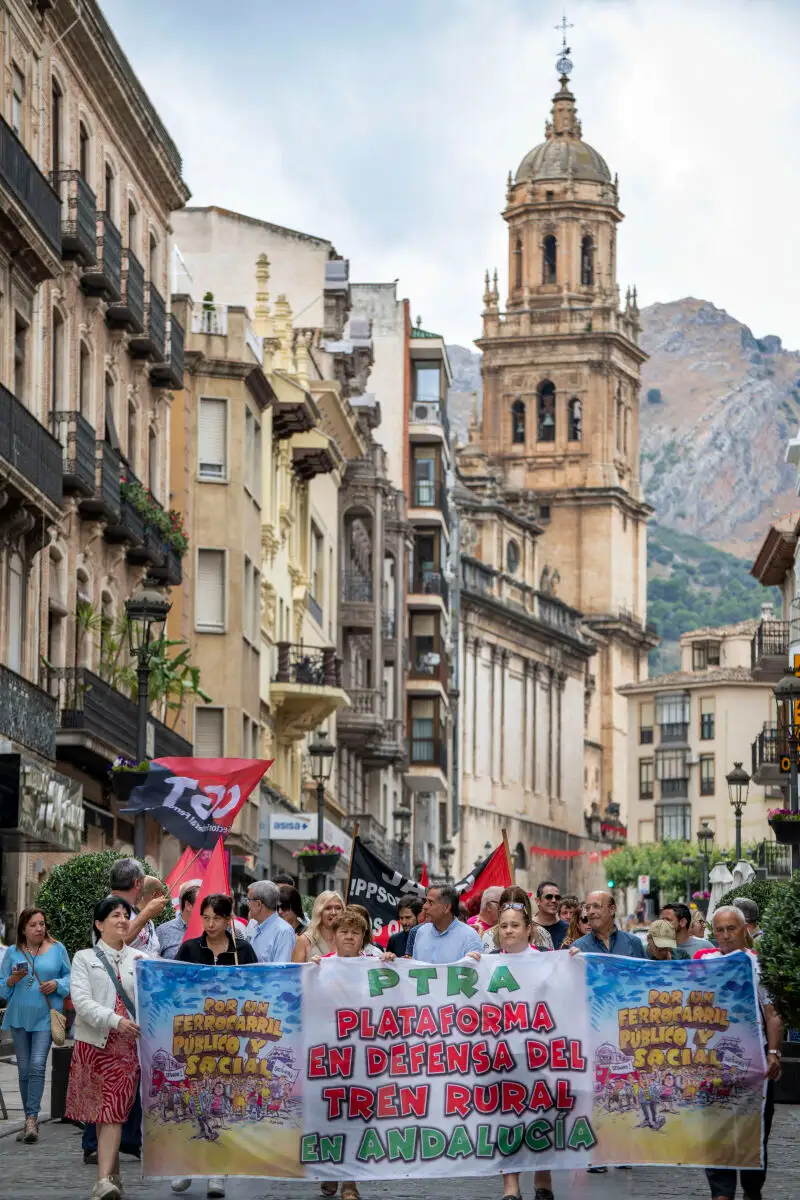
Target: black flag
x,y
380,889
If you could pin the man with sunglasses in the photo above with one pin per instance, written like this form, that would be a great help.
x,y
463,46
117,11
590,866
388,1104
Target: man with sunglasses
x,y
548,898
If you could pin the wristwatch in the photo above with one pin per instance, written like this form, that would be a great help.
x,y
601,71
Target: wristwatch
x,y
774,1053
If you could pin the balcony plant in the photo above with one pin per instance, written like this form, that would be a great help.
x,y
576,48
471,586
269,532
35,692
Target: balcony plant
x,y
785,824
126,774
167,523
318,857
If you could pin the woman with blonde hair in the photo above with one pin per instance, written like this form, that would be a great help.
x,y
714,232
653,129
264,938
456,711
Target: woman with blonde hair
x,y
318,938
578,926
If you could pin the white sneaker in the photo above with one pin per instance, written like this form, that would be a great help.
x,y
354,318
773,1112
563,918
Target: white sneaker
x,y
117,1179
105,1189
181,1185
216,1186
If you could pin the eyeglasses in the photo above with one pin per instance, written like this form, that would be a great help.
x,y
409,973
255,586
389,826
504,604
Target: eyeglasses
x,y
513,904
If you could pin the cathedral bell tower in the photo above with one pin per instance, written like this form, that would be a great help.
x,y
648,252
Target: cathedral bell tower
x,y
560,419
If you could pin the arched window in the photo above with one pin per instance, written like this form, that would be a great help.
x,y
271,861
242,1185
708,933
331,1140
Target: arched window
x,y
133,231
58,382
110,197
84,151
152,462
153,259
518,421
546,412
587,262
518,263
575,419
85,382
549,253
16,608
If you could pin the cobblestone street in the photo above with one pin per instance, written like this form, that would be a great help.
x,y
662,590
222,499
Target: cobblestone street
x,y
54,1169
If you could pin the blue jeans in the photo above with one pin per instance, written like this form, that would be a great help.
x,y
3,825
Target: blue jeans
x,y
31,1050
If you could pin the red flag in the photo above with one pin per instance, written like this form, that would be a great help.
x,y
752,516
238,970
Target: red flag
x,y
175,878
423,879
492,872
215,881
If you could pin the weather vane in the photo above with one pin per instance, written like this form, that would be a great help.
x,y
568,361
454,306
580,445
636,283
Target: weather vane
x,y
563,62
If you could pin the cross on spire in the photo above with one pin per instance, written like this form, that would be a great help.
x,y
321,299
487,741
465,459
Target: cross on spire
x,y
563,63
564,25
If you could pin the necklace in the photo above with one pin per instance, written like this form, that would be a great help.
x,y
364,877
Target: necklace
x,y
32,960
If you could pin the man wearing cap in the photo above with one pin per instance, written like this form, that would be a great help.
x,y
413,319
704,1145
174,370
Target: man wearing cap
x,y
749,910
661,942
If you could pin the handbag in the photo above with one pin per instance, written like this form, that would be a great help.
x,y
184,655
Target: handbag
x,y
58,1022
118,988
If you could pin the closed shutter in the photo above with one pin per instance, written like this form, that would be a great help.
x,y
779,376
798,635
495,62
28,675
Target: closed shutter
x,y
212,438
210,596
209,732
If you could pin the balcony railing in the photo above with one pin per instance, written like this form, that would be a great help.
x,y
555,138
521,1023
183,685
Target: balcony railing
x,y
430,494
90,704
27,714
308,665
34,199
27,447
769,650
170,372
675,788
673,732
357,588
128,313
105,277
364,702
775,859
78,216
169,571
430,412
78,438
153,342
105,499
769,747
429,582
428,751
428,665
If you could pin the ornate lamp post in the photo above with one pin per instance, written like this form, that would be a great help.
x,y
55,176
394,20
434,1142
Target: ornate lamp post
x,y
146,612
705,840
738,784
321,753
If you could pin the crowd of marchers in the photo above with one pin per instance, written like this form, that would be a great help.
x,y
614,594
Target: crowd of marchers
x,y
36,977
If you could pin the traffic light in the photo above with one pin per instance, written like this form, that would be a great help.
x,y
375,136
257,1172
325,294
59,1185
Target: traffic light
x,y
610,883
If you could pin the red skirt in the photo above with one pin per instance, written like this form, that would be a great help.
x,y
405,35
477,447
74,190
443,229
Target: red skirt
x,y
103,1081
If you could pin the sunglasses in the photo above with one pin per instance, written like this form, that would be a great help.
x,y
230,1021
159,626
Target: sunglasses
x,y
550,896
515,904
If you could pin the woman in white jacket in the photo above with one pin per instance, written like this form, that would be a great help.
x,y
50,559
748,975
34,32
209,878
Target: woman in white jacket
x,y
104,1075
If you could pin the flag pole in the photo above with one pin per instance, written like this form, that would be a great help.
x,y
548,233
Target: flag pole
x,y
186,868
350,864
230,893
509,863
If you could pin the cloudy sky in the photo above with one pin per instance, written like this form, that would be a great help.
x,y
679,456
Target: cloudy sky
x,y
390,128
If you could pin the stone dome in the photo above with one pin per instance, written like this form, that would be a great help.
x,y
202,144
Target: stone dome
x,y
556,157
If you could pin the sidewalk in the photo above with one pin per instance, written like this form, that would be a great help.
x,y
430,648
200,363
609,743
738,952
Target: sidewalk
x,y
9,1083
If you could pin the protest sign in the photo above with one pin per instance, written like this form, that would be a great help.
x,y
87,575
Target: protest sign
x,y
356,1070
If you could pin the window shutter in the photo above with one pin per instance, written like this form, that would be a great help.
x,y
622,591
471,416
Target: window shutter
x,y
211,439
210,598
209,732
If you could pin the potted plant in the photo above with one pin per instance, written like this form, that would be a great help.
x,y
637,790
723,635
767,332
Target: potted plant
x,y
67,897
701,900
125,775
318,858
785,824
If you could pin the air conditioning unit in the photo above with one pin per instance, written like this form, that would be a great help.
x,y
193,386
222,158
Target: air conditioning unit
x,y
693,760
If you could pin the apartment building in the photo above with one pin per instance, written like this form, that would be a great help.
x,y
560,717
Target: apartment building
x,y
690,727
90,359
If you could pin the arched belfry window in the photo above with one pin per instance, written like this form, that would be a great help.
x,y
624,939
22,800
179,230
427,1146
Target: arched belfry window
x,y
518,263
518,421
546,412
575,419
549,254
587,262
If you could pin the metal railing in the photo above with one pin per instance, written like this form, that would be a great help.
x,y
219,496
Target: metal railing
x,y
308,665
428,751
78,438
430,494
129,310
155,319
27,714
109,254
770,745
29,448
429,582
210,318
673,732
78,215
771,640
775,859
20,175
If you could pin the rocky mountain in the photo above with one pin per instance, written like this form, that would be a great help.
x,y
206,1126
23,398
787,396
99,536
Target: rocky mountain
x,y
717,406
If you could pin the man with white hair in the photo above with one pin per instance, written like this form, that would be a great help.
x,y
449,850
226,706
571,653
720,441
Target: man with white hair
x,y
489,913
271,937
730,933
750,912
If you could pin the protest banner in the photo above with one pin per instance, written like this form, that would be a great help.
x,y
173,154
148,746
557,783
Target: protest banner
x,y
356,1070
380,889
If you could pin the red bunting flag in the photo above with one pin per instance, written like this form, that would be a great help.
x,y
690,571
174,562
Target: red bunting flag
x,y
215,881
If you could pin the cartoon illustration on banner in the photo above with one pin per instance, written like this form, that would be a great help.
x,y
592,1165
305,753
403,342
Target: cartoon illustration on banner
x,y
677,1059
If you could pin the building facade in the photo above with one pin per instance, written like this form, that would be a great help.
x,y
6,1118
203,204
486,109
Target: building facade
x,y
559,427
689,728
90,359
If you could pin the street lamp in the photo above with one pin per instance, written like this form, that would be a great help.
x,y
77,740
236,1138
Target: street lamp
x,y
146,614
705,840
787,693
321,753
738,784
487,850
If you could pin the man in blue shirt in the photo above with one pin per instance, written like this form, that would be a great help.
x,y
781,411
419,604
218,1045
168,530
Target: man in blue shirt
x,y
443,938
172,933
271,937
603,936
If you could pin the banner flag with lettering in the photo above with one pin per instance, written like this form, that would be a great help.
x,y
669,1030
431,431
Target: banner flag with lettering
x,y
356,1069
196,799
380,888
494,871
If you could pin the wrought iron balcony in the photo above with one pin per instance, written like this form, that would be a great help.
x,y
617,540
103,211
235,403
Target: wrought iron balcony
x,y
430,582
774,859
78,216
169,571
769,651
78,439
153,340
363,720
675,732
128,312
770,757
30,211
428,751
306,689
28,451
430,494
105,499
27,714
308,665
170,373
104,278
